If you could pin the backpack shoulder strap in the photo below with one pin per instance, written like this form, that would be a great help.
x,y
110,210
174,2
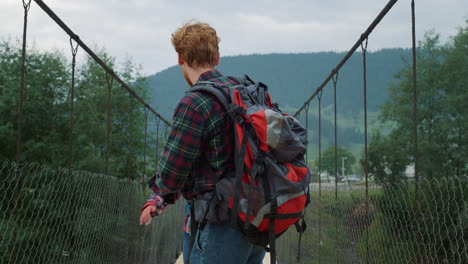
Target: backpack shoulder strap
x,y
210,87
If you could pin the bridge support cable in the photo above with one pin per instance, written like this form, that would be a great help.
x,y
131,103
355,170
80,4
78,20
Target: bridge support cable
x,y
145,145
307,131
74,50
130,144
319,174
75,37
143,181
366,165
364,36
130,171
109,82
298,254
71,191
335,80
19,161
156,161
417,212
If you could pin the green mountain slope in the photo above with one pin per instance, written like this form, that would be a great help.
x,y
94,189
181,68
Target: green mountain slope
x,y
292,78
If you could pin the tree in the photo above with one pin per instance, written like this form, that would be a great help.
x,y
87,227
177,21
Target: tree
x,y
125,157
442,103
328,160
386,162
45,121
52,208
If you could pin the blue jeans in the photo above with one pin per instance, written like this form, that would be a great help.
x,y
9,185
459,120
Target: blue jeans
x,y
220,243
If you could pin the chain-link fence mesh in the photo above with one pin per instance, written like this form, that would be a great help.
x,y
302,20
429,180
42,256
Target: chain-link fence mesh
x,y
391,224
52,217
49,216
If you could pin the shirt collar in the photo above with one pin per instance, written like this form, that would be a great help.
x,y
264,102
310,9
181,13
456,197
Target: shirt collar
x,y
206,76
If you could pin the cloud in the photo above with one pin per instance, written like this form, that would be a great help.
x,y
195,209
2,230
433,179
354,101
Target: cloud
x,y
142,28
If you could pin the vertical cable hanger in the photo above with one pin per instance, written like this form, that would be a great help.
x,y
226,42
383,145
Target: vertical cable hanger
x,y
366,165
19,160
320,171
74,50
109,80
26,5
130,145
335,80
130,165
166,129
415,128
298,253
146,111
158,122
307,130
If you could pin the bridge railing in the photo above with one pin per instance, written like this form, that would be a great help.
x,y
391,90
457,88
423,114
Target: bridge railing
x,y
388,227
94,219
91,219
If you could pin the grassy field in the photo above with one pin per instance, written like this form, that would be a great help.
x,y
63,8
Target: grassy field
x,y
335,225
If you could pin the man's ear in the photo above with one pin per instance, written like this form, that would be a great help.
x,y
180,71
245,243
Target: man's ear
x,y
180,61
217,60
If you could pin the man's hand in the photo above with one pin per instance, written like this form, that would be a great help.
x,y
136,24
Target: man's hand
x,y
145,217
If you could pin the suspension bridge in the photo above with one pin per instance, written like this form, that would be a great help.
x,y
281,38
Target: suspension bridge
x,y
71,215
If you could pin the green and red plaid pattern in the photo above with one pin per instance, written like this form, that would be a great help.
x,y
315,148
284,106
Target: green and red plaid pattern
x,y
202,134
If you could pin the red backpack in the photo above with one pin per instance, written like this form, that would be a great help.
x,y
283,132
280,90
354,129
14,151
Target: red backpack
x,y
269,190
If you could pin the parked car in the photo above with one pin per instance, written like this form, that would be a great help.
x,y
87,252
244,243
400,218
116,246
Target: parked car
x,y
350,178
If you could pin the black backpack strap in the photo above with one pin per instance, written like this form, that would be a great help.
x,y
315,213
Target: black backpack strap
x,y
300,227
214,89
223,94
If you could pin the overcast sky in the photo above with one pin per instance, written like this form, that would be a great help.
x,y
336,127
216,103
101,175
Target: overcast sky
x,y
141,29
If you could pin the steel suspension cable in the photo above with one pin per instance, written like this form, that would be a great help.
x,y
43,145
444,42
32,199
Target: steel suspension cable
x,y
108,120
19,161
74,50
129,168
75,37
307,131
320,171
130,145
335,80
71,192
26,6
146,142
158,121
166,128
298,253
415,127
366,165
364,35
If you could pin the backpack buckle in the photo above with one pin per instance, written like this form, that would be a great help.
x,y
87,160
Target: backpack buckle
x,y
236,112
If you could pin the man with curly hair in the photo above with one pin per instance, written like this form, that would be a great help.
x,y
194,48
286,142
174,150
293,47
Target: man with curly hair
x,y
198,151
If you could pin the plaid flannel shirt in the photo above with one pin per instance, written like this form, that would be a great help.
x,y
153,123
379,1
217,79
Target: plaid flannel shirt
x,y
201,135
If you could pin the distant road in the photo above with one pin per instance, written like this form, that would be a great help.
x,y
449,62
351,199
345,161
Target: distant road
x,y
342,186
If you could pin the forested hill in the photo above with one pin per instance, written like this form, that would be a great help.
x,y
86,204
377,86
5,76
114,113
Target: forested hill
x,y
292,78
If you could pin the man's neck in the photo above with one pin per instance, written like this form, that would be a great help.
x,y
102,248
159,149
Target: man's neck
x,y
193,74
